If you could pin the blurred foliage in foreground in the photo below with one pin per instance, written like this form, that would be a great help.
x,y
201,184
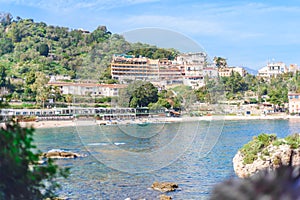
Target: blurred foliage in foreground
x,y
282,183
21,177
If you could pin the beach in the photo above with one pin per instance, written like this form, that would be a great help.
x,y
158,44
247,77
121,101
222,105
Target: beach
x,y
68,123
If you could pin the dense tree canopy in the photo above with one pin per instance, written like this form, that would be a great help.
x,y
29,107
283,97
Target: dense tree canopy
x,y
154,53
138,94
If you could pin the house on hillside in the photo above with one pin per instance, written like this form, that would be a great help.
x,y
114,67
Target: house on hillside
x,y
294,103
272,70
228,71
88,89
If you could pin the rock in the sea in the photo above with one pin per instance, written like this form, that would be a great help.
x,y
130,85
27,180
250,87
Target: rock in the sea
x,y
164,186
269,156
61,154
164,197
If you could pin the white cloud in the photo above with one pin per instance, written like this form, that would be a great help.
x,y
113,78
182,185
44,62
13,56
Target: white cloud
x,y
172,22
68,5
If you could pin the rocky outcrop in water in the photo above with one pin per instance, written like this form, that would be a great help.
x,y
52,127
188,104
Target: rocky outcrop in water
x,y
270,155
164,197
164,186
60,154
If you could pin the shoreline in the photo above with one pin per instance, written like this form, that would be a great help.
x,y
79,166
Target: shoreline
x,y
70,123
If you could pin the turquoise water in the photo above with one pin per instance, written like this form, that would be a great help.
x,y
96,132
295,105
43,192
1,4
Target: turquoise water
x,y
123,161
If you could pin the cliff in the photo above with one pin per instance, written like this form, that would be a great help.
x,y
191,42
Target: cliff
x,y
267,152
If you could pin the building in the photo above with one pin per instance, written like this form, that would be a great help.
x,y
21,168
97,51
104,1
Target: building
x,y
60,78
193,65
240,70
167,70
272,69
228,71
128,67
88,89
293,68
294,103
188,69
225,71
210,71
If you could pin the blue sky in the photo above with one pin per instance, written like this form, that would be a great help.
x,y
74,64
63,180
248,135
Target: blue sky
x,y
247,33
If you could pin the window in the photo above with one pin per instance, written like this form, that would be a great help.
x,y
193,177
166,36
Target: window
x,y
296,96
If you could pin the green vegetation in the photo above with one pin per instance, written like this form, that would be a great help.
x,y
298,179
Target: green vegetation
x,y
32,51
21,176
259,144
153,52
293,141
143,94
236,87
251,149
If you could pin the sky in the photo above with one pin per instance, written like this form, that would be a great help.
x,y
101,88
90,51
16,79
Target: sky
x,y
247,33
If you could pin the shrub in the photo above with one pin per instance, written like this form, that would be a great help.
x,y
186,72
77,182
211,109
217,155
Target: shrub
x,y
293,140
18,180
252,148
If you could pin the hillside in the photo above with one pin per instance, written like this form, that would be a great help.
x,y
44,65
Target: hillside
x,y
27,46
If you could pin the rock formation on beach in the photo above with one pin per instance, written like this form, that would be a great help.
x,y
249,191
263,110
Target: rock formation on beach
x,y
267,152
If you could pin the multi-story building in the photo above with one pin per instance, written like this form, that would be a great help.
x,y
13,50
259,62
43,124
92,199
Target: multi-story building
x,y
187,68
228,71
193,65
225,71
210,72
294,102
128,67
272,69
92,89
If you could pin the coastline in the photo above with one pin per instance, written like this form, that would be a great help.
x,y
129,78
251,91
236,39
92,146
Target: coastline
x,y
70,123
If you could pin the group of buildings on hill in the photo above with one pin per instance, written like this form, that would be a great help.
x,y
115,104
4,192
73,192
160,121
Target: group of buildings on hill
x,y
189,69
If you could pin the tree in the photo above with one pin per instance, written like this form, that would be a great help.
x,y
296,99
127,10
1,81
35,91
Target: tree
x,y
5,18
69,99
43,49
21,177
6,46
220,62
3,76
41,88
138,94
143,95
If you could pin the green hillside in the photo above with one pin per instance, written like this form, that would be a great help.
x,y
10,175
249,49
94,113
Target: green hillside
x,y
27,46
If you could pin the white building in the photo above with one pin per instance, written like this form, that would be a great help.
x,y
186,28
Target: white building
x,y
228,71
193,65
272,69
294,102
88,89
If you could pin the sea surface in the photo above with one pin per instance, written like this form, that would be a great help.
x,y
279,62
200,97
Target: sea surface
x,y
122,161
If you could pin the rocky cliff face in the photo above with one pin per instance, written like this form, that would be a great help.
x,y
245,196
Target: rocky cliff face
x,y
270,157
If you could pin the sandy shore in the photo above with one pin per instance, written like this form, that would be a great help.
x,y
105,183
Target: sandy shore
x,y
48,124
68,123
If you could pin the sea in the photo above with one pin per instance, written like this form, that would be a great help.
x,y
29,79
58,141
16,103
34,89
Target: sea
x,y
123,161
